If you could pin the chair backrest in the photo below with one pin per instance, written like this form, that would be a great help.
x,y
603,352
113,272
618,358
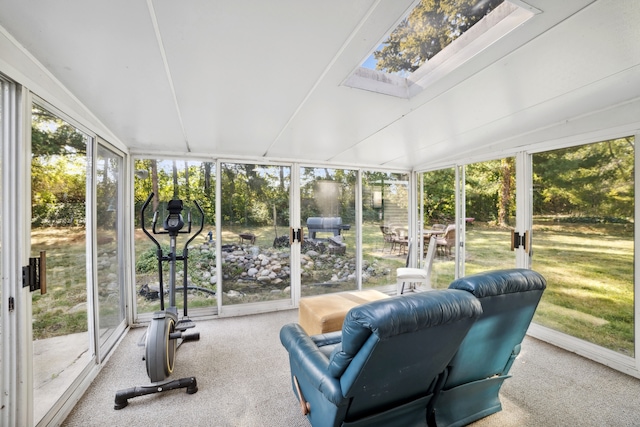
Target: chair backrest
x,y
428,259
509,299
402,233
431,254
386,233
450,232
393,350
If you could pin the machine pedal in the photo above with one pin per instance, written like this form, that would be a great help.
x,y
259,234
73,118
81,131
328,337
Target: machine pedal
x,y
184,324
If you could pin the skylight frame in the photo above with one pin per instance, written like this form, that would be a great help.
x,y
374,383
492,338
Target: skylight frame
x,y
483,35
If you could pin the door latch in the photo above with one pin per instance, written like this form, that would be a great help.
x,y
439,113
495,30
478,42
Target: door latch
x,y
295,235
520,240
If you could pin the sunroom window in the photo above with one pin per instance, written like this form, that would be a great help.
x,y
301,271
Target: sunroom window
x,y
435,38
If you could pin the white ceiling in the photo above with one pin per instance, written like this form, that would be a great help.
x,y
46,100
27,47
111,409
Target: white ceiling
x,y
263,79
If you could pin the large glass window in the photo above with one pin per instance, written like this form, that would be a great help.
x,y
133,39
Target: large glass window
x,y
255,233
583,241
58,226
385,208
188,181
327,215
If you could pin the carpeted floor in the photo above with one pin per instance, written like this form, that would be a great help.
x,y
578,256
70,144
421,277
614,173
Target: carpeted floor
x,y
243,381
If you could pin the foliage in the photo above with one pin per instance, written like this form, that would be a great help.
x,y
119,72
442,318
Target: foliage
x,y
255,194
594,181
490,190
439,196
197,263
147,261
168,179
58,170
428,29
58,214
51,136
590,180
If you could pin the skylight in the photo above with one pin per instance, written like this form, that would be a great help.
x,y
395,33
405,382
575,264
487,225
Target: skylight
x,y
436,37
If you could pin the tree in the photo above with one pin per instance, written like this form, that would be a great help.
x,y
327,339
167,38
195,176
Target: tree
x,y
58,169
439,196
428,29
589,180
51,136
506,196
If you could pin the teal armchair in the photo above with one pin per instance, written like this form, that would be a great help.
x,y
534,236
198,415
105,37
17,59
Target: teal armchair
x,y
385,365
476,373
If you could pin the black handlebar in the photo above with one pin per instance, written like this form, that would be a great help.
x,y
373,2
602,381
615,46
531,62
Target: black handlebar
x,y
155,218
173,223
201,223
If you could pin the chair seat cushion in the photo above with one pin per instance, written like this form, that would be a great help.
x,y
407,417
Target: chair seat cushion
x,y
405,273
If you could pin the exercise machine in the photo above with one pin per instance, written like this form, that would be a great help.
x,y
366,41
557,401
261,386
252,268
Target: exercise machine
x,y
166,332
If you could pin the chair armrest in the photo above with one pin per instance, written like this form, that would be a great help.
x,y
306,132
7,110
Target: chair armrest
x,y
330,338
308,364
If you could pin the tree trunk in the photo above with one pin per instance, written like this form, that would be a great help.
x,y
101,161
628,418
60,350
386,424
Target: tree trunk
x,y
187,190
175,179
154,184
504,196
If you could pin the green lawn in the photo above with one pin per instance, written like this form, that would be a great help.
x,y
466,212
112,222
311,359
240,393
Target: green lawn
x,y
589,270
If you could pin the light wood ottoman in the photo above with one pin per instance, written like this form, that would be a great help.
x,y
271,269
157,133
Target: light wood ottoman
x,y
326,313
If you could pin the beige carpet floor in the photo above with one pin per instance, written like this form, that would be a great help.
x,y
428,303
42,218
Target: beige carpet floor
x,y
243,380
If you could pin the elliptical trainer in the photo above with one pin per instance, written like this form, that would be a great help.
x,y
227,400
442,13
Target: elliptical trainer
x,y
165,329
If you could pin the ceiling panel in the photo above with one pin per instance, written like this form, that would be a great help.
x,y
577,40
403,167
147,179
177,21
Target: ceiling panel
x,y
265,79
106,54
242,68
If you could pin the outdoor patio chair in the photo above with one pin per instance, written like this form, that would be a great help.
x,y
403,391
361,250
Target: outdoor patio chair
x,y
414,275
447,240
387,236
401,239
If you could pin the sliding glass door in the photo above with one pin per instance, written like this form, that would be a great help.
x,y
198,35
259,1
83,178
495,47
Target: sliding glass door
x,y
255,251
61,341
583,241
327,217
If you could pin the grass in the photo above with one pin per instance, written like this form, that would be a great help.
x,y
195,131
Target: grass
x,y
62,310
589,270
588,267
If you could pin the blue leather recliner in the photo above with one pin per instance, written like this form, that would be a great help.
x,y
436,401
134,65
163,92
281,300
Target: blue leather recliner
x,y
385,365
476,373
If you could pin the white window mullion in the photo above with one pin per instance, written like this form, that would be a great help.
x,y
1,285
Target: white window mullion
x,y
524,205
